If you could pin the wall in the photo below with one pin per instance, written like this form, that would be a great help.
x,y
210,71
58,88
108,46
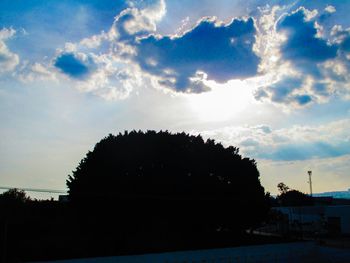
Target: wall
x,y
344,213
313,214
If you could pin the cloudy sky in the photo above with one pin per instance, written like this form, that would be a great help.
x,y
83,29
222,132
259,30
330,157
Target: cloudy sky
x,y
270,77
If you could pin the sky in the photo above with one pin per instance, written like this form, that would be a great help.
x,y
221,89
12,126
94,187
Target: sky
x,y
269,77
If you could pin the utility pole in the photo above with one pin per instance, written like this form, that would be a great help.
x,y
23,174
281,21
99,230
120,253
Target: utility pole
x,y
310,181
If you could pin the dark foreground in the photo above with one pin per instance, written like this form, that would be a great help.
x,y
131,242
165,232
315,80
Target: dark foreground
x,y
52,230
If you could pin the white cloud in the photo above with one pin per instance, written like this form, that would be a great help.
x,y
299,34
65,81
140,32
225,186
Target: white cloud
x,y
301,74
8,59
130,33
100,64
7,33
94,41
131,45
110,84
298,142
211,50
146,19
35,72
330,9
112,79
134,21
268,40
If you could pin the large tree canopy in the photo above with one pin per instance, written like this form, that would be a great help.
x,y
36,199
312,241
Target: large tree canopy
x,y
178,174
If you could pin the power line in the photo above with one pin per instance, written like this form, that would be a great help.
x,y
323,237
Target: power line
x,y
40,190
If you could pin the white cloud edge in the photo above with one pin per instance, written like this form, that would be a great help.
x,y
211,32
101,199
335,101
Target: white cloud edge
x,y
266,47
9,60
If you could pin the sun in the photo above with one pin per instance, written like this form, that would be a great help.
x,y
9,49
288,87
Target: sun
x,y
223,102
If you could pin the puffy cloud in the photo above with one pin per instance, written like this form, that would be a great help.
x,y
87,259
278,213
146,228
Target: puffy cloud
x,y
288,144
306,63
110,83
341,37
330,9
282,89
101,75
100,64
303,45
35,72
288,90
137,21
327,12
211,50
272,46
8,59
265,129
75,65
94,41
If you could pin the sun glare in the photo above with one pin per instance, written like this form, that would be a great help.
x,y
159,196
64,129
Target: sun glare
x,y
223,102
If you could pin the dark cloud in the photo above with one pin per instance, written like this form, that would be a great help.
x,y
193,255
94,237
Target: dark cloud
x,y
342,38
303,46
307,53
345,41
223,52
320,89
327,13
283,92
302,99
305,151
74,66
249,142
345,45
264,128
260,94
280,91
324,17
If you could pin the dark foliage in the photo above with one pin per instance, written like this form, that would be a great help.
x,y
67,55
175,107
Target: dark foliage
x,y
294,198
12,200
282,188
14,195
160,182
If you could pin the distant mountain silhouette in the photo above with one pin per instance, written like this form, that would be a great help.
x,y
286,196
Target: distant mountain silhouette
x,y
335,194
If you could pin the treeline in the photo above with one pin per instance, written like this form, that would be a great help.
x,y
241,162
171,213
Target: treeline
x,y
141,192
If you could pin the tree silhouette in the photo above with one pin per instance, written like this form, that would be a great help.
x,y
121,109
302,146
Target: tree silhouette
x,y
295,198
14,195
174,181
282,188
291,197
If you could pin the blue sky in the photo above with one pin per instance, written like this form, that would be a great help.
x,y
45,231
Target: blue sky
x,y
271,77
